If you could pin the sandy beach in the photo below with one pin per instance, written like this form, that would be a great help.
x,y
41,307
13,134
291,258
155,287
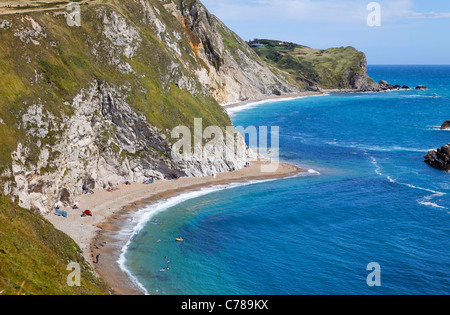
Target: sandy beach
x,y
272,98
99,234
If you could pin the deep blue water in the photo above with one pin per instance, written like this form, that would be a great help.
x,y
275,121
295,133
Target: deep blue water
x,y
375,200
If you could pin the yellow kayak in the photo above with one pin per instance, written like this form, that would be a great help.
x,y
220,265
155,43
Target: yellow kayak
x,y
179,239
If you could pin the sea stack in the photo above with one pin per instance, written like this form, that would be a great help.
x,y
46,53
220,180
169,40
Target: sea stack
x,y
446,125
384,85
439,159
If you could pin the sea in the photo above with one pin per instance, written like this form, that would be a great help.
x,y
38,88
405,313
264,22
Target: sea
x,y
367,199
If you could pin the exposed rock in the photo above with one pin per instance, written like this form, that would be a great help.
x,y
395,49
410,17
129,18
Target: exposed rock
x,y
385,86
276,92
234,72
421,87
439,159
361,81
446,125
103,143
64,197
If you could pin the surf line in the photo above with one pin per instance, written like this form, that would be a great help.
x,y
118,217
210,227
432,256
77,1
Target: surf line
x,y
426,201
147,213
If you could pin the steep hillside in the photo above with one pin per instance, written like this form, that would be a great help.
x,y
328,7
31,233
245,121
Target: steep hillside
x,y
314,69
234,71
34,257
92,106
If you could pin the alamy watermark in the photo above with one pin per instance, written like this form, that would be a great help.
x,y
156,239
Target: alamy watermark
x,y
216,144
374,18
374,278
74,278
74,16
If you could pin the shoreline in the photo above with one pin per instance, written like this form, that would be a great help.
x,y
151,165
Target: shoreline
x,y
272,98
103,233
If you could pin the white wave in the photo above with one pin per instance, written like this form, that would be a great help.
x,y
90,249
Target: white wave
x,y
426,201
314,172
145,215
232,110
438,128
375,148
309,172
430,204
421,96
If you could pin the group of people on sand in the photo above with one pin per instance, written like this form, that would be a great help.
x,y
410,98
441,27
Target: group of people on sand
x,y
85,213
148,181
172,177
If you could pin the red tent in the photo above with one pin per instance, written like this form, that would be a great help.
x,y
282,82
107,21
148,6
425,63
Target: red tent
x,y
87,212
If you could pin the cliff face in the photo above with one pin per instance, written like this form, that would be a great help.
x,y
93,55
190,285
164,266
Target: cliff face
x,y
93,106
234,71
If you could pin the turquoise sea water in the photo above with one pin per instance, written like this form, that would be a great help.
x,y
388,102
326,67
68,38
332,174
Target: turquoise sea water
x,y
375,200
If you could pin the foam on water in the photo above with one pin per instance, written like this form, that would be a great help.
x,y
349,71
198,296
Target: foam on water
x,y
376,148
376,200
425,201
142,217
233,110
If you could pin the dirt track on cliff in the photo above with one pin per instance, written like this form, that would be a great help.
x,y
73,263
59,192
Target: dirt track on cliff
x,y
27,6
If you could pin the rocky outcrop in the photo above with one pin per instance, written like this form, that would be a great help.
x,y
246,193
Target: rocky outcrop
x,y
102,144
385,86
439,159
421,87
100,112
446,125
234,71
360,81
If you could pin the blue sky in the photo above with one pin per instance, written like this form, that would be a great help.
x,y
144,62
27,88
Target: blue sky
x,y
411,31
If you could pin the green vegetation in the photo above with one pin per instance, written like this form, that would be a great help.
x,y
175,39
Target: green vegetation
x,y
48,67
34,257
325,68
69,59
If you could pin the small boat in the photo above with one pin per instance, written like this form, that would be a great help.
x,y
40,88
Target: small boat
x,y
179,239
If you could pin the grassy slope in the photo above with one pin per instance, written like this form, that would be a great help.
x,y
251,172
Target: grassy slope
x,y
324,67
71,66
34,256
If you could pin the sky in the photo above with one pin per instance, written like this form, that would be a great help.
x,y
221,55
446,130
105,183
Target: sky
x,y
410,31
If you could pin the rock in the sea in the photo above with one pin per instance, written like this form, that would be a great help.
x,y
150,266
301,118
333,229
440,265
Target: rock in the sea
x,y
405,87
439,159
446,125
421,87
385,86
